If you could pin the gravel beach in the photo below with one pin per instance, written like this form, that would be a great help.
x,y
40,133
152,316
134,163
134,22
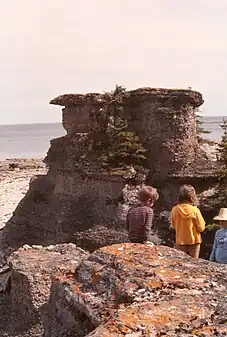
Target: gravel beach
x,y
15,175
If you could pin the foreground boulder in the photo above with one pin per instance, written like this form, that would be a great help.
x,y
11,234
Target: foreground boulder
x,y
138,290
31,272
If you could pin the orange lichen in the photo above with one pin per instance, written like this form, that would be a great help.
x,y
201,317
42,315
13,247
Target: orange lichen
x,y
76,287
204,329
160,315
153,289
62,277
154,283
95,277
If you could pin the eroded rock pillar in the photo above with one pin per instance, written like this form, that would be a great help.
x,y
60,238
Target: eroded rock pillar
x,y
165,121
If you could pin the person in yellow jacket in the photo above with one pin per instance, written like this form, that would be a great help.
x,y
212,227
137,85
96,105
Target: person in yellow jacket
x,y
188,222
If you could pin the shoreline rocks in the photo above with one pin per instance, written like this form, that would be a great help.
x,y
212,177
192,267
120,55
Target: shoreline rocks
x,y
16,164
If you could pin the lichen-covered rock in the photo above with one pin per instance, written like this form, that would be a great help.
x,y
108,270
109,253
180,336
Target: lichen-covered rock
x,y
31,272
139,290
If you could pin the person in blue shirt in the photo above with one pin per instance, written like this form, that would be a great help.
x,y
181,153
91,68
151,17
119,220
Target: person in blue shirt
x,y
219,250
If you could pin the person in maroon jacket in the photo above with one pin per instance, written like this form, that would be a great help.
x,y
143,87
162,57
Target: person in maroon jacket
x,y
139,217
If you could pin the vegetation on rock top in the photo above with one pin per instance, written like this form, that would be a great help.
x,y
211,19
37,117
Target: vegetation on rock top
x,y
199,126
222,188
117,148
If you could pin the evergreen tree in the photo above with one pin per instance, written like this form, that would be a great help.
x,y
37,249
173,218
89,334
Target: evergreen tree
x,y
124,149
223,151
120,148
222,186
199,128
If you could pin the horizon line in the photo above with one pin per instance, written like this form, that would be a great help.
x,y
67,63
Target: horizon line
x,y
40,123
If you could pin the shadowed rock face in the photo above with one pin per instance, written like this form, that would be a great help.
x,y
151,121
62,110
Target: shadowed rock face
x,y
99,236
77,193
139,290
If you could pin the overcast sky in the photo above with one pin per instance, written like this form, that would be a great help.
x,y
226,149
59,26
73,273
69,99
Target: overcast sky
x,y
49,47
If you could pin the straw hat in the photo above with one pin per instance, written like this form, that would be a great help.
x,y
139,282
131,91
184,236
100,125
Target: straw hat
x,y
222,215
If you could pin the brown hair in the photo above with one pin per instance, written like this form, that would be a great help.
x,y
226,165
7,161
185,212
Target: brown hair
x,y
187,193
148,193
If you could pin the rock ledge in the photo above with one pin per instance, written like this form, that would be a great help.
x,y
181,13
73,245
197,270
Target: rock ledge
x,y
139,290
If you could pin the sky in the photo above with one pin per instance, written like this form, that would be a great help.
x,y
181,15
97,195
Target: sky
x,y
51,47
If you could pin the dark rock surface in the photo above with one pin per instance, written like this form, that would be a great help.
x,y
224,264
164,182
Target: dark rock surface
x,y
99,236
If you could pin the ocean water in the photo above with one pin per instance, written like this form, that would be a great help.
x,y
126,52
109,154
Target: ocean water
x,y
212,124
33,140
27,140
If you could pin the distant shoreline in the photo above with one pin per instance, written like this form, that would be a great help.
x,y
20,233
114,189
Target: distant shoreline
x,y
41,123
206,119
17,164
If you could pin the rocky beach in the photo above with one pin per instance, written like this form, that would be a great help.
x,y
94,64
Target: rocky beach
x,y
15,175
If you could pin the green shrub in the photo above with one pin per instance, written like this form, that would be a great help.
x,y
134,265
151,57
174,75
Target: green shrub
x,y
222,187
199,128
118,148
